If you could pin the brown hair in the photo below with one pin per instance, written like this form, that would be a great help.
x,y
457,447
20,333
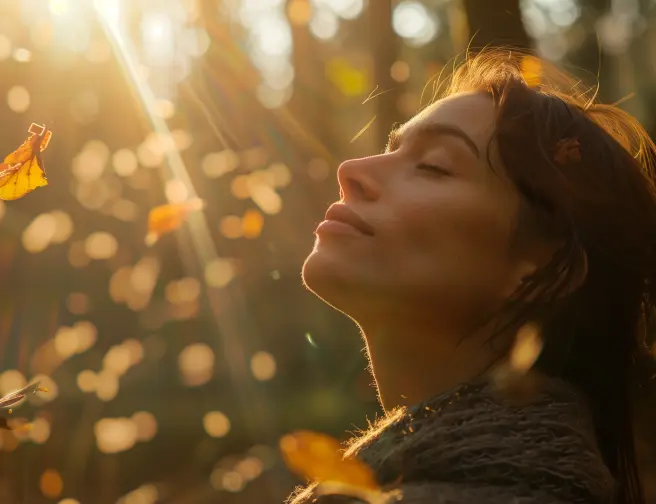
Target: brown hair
x,y
585,171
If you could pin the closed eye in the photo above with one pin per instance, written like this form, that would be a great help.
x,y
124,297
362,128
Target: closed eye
x,y
438,170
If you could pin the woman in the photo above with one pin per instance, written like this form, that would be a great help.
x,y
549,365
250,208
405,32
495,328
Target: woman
x,y
512,199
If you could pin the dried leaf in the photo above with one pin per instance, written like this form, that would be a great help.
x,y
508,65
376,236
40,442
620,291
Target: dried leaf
x,y
23,171
18,395
318,457
167,218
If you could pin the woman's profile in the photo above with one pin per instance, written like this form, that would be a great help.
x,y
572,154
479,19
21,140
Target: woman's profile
x,y
507,201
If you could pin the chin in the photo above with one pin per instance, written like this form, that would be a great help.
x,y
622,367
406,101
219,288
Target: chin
x,y
328,278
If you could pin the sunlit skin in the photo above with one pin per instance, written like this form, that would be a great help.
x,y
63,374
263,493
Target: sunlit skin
x,y
442,256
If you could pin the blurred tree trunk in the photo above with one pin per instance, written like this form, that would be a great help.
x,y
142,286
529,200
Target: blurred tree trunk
x,y
384,45
496,23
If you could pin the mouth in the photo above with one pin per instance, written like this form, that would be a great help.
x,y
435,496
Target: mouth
x,y
340,217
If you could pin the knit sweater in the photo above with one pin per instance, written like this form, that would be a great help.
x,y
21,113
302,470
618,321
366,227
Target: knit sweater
x,y
474,446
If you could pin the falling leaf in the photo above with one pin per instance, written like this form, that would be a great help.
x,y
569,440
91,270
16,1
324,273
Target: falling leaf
x,y
318,457
514,379
166,218
531,68
18,395
527,348
23,171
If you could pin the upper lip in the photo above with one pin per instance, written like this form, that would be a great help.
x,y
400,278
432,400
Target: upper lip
x,y
342,213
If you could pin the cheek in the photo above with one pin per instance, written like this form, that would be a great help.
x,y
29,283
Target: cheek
x,y
462,237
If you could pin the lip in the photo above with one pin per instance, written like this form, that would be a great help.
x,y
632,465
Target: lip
x,y
337,227
340,218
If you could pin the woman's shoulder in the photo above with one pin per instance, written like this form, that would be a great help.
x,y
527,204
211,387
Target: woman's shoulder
x,y
472,443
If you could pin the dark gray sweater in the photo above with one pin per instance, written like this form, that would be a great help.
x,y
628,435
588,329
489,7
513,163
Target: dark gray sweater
x,y
473,446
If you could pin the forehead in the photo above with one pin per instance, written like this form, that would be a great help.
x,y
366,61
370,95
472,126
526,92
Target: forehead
x,y
474,113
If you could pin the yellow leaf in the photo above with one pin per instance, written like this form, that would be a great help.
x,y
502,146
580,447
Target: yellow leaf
x,y
22,171
318,457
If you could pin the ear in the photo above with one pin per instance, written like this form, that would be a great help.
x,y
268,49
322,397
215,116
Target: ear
x,y
526,267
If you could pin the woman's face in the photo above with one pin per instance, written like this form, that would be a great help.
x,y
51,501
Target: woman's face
x,y
439,223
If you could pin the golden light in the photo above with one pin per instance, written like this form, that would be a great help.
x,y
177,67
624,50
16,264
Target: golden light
x,y
125,210
69,501
196,363
5,47
18,99
146,425
282,175
216,164
263,366
230,226
216,424
100,245
267,199
299,12
135,349
219,272
252,224
87,334
63,226
239,187
51,483
125,162
117,360
176,191
66,342
40,431
232,481
318,169
11,380
22,55
165,108
106,386
115,435
87,381
38,235
59,7
182,291
400,71
249,468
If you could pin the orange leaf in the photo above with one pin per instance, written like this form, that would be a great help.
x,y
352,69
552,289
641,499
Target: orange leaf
x,y
166,218
22,171
318,457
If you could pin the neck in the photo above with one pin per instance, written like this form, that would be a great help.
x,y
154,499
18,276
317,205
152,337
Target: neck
x,y
413,360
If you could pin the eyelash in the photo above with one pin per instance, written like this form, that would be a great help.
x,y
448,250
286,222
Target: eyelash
x,y
438,170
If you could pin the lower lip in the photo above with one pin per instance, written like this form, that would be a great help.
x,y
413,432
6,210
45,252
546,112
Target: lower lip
x,y
337,227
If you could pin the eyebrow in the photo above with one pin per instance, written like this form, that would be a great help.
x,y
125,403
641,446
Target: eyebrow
x,y
397,136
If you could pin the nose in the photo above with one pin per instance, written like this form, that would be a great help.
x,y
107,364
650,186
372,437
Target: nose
x,y
356,179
